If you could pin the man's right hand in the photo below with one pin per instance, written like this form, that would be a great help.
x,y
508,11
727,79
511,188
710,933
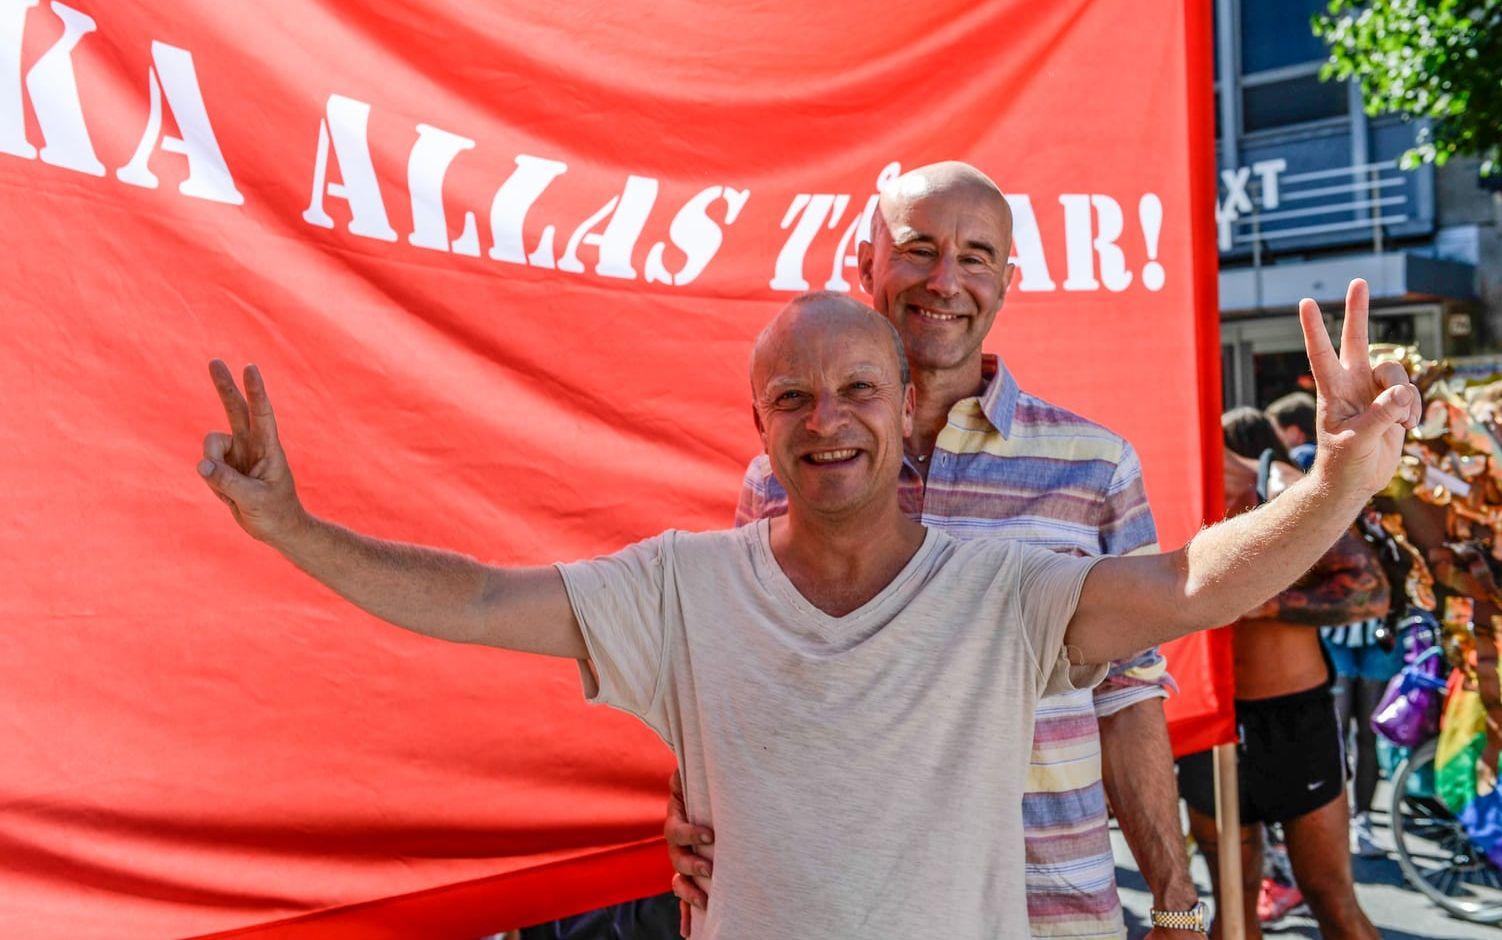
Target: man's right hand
x,y
682,836
247,468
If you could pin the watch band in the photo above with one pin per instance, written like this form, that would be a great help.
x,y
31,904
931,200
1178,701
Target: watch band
x,y
1192,919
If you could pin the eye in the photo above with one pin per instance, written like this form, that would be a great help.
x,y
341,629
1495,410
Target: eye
x,y
788,397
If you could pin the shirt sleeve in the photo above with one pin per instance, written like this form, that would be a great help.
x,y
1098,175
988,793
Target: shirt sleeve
x,y
748,508
1127,528
623,604
1126,524
1048,591
761,495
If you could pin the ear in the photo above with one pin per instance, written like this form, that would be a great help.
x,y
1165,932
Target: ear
x,y
909,406
761,431
865,257
1007,274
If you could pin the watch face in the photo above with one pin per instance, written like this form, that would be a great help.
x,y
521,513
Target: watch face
x,y
1199,914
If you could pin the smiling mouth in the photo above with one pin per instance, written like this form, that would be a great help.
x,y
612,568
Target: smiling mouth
x,y
934,316
824,457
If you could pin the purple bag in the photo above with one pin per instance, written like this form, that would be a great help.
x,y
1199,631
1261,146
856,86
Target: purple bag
x,y
1409,712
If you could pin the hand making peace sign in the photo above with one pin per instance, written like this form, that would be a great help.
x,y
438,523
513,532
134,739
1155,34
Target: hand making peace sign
x,y
247,468
1362,413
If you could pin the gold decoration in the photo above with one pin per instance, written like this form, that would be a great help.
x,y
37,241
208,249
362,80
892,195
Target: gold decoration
x,y
1419,584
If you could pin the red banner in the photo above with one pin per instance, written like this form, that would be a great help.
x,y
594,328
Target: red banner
x,y
501,268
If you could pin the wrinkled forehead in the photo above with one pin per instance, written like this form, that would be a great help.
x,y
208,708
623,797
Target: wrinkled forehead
x,y
914,208
814,350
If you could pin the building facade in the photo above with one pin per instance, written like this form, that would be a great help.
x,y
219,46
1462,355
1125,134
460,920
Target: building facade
x,y
1311,194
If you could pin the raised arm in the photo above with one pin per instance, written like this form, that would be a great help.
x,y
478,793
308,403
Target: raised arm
x,y
1227,569
439,593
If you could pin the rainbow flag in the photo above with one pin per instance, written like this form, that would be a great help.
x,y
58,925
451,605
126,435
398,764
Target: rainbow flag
x,y
1477,803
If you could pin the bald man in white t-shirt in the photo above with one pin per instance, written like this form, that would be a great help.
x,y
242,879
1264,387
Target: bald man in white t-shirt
x,y
862,735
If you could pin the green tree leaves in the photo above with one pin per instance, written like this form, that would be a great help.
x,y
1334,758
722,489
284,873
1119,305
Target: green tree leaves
x,y
1434,59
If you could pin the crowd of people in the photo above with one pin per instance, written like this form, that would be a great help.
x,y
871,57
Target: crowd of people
x,y
881,716
1291,749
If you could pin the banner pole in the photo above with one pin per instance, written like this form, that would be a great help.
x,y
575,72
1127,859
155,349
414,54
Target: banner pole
x,y
1229,911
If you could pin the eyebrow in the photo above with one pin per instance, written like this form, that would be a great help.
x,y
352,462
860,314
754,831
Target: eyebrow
x,y
778,384
860,369
981,245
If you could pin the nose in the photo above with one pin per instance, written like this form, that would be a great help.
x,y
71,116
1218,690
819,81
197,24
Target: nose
x,y
943,279
827,416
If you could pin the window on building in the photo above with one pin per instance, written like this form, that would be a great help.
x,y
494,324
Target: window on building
x,y
1280,63
1215,51
1296,100
1276,33
1215,35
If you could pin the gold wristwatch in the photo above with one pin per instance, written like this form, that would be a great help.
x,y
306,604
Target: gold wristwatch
x,y
1192,919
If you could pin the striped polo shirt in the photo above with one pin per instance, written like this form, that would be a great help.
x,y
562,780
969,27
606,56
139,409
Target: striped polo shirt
x,y
1010,464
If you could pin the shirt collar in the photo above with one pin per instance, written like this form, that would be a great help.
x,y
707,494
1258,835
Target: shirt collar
x,y
998,401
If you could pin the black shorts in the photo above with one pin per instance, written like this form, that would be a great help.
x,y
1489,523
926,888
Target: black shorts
x,y
1290,757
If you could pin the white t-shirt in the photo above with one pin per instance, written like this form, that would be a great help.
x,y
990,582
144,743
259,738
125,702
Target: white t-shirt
x,y
863,774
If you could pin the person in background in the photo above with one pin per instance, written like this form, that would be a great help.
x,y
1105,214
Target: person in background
x,y
1362,664
1293,418
1279,895
1291,760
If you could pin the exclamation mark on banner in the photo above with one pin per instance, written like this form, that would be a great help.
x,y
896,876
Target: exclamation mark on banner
x,y
1150,211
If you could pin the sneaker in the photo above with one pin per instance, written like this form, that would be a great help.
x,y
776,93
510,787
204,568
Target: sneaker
x,y
1363,844
1276,900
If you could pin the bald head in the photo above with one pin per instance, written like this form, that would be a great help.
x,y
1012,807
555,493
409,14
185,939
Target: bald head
x,y
819,317
833,404
947,180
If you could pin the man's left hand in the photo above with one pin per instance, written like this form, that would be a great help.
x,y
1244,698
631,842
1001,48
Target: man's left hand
x,y
1363,413
1166,933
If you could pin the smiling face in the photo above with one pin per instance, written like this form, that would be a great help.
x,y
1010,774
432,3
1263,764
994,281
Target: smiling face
x,y
831,405
936,266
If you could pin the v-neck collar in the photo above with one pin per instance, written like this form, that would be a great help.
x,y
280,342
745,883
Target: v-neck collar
x,y
827,626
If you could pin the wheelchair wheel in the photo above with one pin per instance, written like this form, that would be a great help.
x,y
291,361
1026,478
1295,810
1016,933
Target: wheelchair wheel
x,y
1433,851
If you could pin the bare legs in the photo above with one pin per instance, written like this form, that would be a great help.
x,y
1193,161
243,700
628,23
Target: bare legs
x,y
1319,850
1321,860
1207,837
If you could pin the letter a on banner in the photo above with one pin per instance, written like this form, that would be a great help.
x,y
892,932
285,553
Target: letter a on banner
x,y
172,76
628,214
1027,246
344,125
